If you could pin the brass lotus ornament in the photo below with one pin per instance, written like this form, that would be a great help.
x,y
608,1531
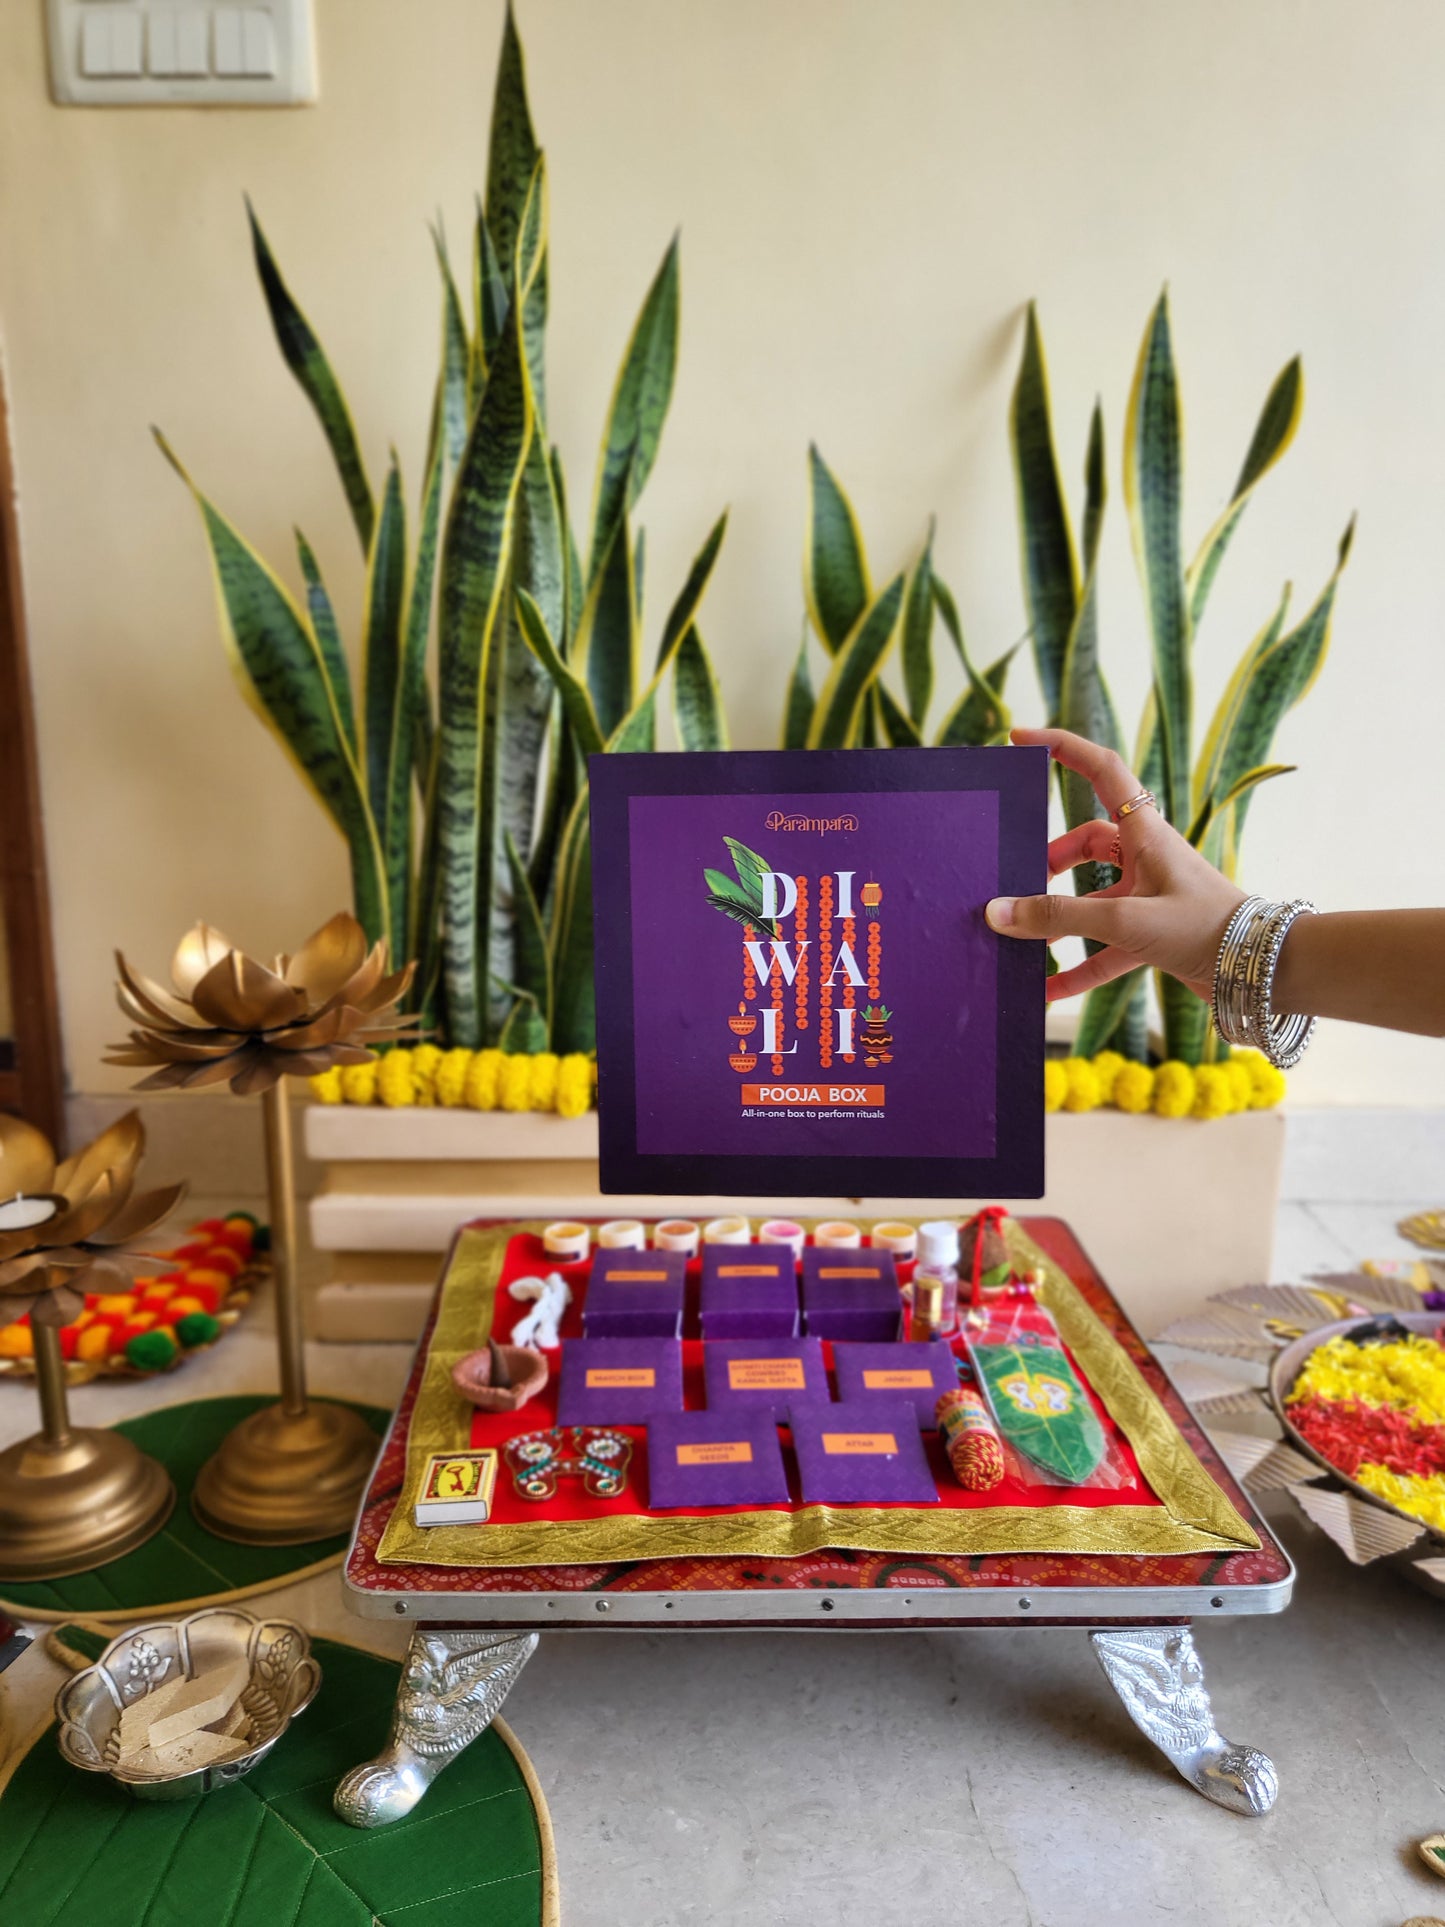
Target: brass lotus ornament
x,y
230,1018
61,1224
72,1497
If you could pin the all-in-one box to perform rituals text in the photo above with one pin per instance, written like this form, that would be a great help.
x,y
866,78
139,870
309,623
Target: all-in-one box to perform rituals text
x,y
797,992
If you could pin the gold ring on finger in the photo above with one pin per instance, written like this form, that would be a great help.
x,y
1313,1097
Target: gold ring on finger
x,y
1135,803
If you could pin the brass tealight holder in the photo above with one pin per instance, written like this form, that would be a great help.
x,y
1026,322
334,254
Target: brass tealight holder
x,y
71,1497
294,1471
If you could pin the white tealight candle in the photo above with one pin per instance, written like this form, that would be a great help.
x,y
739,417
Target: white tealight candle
x,y
900,1239
566,1240
727,1231
622,1234
676,1234
783,1231
20,1212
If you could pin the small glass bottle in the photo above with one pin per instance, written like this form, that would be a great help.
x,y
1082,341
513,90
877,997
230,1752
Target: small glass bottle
x,y
938,1258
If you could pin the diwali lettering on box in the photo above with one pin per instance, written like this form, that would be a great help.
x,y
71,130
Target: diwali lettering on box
x,y
813,960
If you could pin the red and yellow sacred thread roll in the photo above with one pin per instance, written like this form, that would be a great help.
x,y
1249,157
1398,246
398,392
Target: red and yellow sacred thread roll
x,y
970,1440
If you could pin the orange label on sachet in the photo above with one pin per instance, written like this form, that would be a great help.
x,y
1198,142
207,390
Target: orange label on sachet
x,y
896,1381
638,1277
849,1271
848,1445
766,1375
747,1271
719,1452
620,1378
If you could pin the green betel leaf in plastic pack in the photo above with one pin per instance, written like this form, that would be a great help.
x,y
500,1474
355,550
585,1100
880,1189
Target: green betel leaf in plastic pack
x,y
1041,1408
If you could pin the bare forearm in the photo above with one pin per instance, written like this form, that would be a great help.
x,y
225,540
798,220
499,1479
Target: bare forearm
x,y
1384,967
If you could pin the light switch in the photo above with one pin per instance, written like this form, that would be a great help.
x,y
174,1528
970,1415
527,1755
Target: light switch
x,y
125,42
176,53
258,44
226,54
95,45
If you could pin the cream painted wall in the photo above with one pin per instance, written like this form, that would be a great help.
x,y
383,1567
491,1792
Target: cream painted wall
x,y
867,195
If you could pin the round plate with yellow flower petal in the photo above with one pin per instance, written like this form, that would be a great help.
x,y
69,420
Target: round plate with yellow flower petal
x,y
1286,1368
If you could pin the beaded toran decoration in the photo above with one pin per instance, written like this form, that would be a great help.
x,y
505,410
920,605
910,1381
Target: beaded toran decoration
x,y
537,1460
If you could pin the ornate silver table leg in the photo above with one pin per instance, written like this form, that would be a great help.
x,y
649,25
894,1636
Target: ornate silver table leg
x,y
1160,1678
451,1689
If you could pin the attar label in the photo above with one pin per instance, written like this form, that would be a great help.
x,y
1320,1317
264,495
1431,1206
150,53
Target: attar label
x,y
797,992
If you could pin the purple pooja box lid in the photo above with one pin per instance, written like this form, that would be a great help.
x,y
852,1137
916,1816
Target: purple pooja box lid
x,y
749,1291
619,1381
773,1374
635,1294
714,1458
869,1452
921,1374
851,1295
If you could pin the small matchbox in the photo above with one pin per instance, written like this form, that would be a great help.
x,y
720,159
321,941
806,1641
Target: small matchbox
x,y
456,1489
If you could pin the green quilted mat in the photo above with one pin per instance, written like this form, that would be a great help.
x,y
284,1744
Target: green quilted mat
x,y
76,1850
183,1566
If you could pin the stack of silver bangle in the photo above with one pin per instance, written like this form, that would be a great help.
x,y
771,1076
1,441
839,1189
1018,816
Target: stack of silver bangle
x,y
1244,982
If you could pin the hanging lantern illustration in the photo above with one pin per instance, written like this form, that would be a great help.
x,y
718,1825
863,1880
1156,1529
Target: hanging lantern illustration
x,y
871,895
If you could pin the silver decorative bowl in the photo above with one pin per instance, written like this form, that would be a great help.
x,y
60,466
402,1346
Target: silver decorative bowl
x,y
284,1679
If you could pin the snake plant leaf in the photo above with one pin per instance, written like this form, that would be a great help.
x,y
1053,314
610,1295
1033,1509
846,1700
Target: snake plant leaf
x,y
1153,462
1050,569
525,1030
1251,779
458,390
539,568
1186,1020
606,647
576,703
1085,705
283,675
916,647
392,692
689,599
859,658
640,401
305,357
513,158
1206,769
697,704
417,626
489,298
574,1009
798,714
867,728
898,726
475,574
1274,431
1280,677
835,570
424,941
574,588
1104,1011
534,965
326,630
980,715
1041,1408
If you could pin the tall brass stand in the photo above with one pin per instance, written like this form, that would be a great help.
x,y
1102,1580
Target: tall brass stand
x,y
70,1497
295,1471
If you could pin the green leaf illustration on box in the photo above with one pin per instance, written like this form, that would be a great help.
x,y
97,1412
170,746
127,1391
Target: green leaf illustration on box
x,y
1041,1408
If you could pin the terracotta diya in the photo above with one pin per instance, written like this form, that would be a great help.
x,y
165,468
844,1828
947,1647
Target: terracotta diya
x,y
502,1378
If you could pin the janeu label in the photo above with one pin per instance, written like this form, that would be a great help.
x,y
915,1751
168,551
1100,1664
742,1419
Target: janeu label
x,y
766,1374
847,1445
637,1277
897,1381
620,1377
849,1271
718,1452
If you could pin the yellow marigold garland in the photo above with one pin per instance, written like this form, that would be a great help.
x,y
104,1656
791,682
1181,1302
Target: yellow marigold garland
x,y
1245,1081
1133,1087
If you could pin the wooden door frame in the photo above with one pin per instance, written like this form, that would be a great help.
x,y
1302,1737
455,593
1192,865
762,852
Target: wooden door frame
x,y
36,1086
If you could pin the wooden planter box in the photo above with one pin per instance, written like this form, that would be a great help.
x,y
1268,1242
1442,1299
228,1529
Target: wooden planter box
x,y
1170,1210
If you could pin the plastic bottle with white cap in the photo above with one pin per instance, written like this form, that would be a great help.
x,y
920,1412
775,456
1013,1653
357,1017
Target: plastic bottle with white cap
x,y
938,1258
